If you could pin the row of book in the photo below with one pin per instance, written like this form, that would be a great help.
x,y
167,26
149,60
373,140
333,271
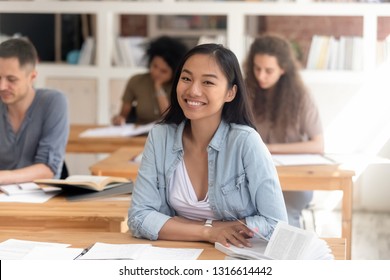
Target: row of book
x,y
345,53
330,53
383,50
130,51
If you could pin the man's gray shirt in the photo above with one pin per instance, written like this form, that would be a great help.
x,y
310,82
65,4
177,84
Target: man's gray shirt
x,y
42,136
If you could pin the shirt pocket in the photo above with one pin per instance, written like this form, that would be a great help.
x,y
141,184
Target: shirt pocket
x,y
236,195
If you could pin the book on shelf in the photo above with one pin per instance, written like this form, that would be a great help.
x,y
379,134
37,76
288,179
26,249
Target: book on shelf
x,y
383,50
209,39
87,52
286,243
330,53
130,51
88,182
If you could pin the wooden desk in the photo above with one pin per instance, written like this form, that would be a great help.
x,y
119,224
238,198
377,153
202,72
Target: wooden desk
x,y
292,178
78,144
85,239
58,214
119,163
323,177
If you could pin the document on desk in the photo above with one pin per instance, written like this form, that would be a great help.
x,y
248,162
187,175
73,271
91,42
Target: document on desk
x,y
126,130
52,253
104,251
14,249
301,159
32,197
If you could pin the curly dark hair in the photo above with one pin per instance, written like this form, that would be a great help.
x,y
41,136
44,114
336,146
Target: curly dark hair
x,y
170,49
283,109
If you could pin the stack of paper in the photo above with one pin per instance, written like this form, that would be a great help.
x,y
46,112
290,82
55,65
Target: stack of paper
x,y
27,192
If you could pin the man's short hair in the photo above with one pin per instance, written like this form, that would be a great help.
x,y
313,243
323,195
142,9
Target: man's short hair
x,y
20,48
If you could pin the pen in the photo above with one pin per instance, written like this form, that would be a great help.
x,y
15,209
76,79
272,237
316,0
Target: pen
x,y
254,231
82,253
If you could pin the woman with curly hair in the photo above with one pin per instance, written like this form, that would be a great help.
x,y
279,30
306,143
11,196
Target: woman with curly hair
x,y
286,115
146,96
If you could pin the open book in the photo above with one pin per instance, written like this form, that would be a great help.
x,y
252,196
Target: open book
x,y
286,243
90,182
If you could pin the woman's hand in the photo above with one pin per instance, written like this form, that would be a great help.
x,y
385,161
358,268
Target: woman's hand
x,y
118,120
235,234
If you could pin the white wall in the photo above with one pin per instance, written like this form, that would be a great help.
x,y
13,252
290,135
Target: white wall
x,y
356,118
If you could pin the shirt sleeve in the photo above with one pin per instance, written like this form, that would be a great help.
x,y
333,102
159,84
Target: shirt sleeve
x,y
55,132
149,210
264,187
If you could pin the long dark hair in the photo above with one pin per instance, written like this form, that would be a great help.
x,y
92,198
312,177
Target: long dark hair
x,y
290,92
238,110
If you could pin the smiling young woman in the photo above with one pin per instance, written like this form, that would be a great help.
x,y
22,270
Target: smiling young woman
x,y
205,174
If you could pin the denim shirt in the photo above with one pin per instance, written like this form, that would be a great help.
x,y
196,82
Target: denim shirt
x,y
242,180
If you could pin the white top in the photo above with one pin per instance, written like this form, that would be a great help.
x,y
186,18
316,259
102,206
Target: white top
x,y
183,199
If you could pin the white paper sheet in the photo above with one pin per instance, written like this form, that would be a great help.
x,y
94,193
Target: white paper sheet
x,y
36,197
14,249
103,251
52,253
126,130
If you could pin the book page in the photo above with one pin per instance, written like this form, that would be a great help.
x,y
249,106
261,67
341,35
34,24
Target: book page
x,y
256,252
93,182
289,243
87,178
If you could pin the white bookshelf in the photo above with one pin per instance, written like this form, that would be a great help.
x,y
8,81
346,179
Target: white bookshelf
x,y
107,14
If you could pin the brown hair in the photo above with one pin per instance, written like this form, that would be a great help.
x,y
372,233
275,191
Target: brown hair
x,y
283,109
